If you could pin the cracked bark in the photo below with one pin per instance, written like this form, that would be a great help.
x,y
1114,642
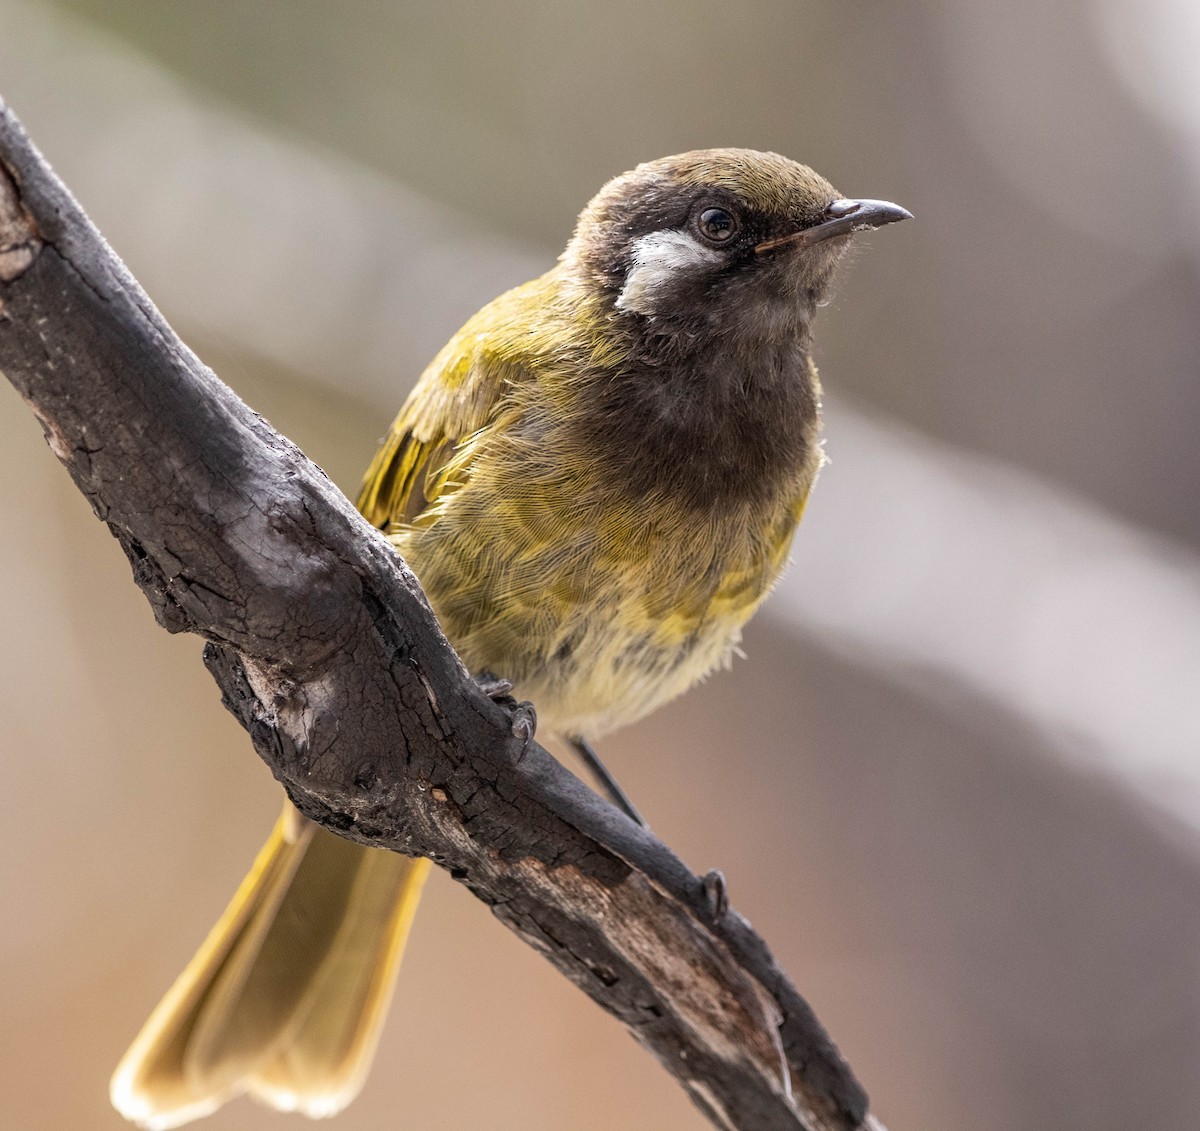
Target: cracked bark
x,y
325,650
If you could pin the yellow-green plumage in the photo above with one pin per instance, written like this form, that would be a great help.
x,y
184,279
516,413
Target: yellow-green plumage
x,y
598,603
596,481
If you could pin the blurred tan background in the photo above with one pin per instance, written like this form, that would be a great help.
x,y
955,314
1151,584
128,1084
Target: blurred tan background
x,y
965,805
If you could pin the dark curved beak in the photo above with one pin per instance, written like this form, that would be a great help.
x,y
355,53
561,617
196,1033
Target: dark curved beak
x,y
841,218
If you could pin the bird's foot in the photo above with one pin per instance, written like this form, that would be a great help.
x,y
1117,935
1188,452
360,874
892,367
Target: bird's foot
x,y
493,686
716,895
522,716
524,725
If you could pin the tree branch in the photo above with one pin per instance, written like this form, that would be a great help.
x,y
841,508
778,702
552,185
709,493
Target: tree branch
x,y
324,648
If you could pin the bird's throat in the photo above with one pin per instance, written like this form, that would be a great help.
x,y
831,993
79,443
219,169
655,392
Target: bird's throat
x,y
723,429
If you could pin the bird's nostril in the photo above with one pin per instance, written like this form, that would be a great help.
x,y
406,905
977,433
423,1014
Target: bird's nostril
x,y
840,208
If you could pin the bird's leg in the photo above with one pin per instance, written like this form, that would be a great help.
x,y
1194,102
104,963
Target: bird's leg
x,y
607,782
524,725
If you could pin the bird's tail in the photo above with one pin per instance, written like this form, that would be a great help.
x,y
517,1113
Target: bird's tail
x,y
286,997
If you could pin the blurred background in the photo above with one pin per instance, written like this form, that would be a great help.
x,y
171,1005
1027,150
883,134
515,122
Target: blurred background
x,y
967,815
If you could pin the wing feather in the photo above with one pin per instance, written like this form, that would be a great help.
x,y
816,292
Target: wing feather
x,y
457,398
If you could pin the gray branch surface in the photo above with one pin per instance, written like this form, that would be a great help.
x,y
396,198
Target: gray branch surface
x,y
325,649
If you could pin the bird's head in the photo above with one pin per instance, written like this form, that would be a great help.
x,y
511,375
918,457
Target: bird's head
x,y
718,241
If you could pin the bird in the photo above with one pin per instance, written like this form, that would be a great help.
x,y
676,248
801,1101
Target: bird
x,y
596,481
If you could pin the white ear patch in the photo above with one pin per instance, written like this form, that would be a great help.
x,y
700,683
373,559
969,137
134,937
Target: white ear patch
x,y
658,260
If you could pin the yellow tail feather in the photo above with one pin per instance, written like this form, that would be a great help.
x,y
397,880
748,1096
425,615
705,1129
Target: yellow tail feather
x,y
286,997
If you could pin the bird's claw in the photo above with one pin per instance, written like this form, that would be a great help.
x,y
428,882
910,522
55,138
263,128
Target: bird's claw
x,y
524,726
716,894
523,718
493,686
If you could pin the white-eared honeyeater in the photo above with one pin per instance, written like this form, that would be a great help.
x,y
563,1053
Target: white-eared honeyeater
x,y
596,481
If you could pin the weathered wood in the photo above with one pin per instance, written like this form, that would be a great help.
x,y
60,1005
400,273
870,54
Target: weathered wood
x,y
326,651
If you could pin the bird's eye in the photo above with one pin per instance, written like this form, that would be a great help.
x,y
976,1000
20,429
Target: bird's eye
x,y
717,224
